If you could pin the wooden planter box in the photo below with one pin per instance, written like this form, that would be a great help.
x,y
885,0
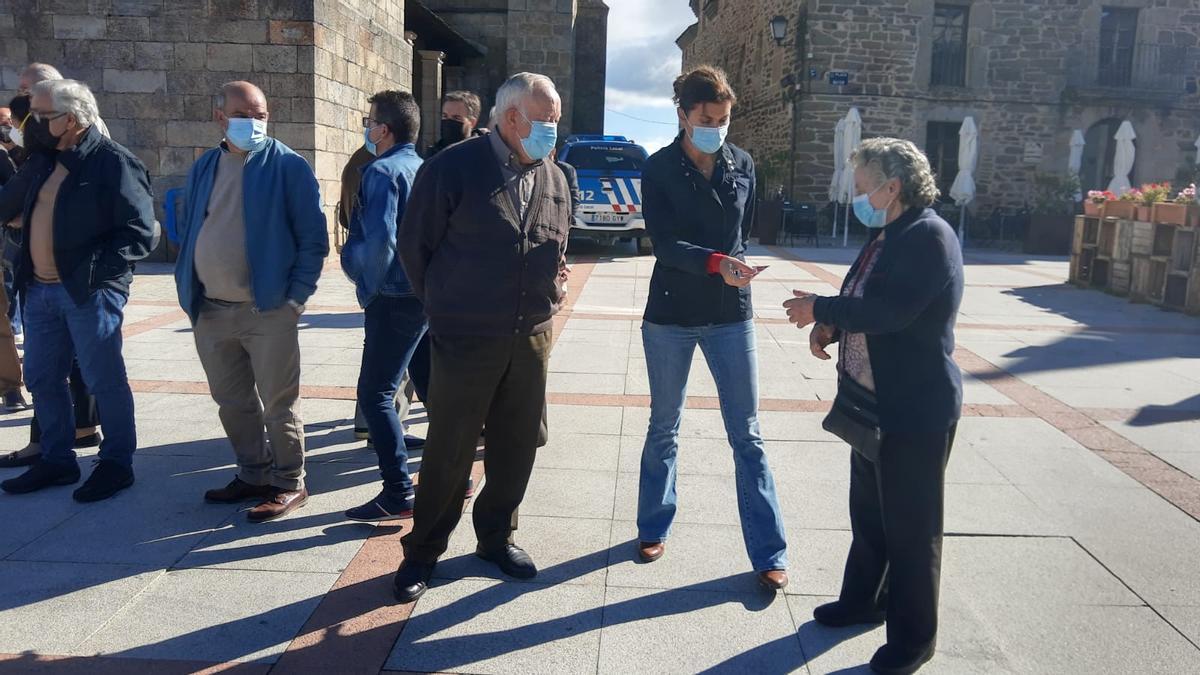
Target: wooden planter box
x,y
1101,254
1184,215
1145,213
1091,208
1120,209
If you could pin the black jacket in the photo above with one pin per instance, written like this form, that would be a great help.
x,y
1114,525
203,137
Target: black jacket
x,y
690,218
103,216
477,268
907,311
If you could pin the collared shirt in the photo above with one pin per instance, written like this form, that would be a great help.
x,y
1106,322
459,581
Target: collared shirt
x,y
518,178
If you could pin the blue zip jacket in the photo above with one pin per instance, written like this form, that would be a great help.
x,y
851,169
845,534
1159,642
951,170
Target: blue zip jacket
x,y
286,238
369,254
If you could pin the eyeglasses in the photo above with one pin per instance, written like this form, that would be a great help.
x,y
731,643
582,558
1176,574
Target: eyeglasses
x,y
40,117
368,123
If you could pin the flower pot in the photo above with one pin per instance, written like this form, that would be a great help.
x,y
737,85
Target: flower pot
x,y
1144,212
1186,215
1091,208
1120,209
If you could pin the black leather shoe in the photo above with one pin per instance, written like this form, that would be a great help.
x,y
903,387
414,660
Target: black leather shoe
x,y
893,660
512,561
108,479
838,615
411,580
40,476
26,456
92,440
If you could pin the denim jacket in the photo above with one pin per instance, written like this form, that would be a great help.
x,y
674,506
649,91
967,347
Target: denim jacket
x,y
369,255
286,239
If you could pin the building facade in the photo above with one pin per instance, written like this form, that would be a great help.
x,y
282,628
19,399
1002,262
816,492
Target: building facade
x,y
1029,72
155,65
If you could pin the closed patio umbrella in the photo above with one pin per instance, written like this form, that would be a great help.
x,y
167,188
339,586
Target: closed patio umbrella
x,y
1197,150
1075,160
1123,159
963,189
850,142
839,160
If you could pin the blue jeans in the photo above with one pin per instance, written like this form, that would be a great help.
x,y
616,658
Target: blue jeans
x,y
394,326
733,361
59,331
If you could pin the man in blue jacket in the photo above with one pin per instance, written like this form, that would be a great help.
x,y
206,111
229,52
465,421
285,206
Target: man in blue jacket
x,y
253,244
394,317
88,217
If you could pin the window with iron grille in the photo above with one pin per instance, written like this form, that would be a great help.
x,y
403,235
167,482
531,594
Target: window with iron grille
x,y
1118,44
941,147
949,57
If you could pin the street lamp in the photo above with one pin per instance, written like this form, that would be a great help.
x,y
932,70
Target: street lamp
x,y
779,26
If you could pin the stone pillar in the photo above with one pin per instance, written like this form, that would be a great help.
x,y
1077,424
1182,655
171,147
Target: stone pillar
x,y
430,95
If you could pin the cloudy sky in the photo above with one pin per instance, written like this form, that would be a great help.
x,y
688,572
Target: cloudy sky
x,y
642,62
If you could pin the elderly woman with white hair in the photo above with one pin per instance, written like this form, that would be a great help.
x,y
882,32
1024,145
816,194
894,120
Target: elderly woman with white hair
x,y
88,217
899,398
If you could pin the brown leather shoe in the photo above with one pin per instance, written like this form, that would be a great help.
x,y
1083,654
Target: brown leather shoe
x,y
238,490
281,503
651,551
773,580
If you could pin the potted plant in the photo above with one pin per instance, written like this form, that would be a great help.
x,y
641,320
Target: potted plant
x,y
1094,204
1149,195
1123,207
1182,210
1052,215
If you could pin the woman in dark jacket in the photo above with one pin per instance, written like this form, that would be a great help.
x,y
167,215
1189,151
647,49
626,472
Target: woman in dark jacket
x,y
894,320
698,202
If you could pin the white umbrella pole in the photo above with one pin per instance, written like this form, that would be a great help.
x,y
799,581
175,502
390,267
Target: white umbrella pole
x,y
846,229
962,226
835,217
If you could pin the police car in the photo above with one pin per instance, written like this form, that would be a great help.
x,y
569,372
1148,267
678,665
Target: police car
x,y
610,187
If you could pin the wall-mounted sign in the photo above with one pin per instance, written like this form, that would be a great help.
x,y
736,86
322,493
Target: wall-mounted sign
x,y
839,78
1033,152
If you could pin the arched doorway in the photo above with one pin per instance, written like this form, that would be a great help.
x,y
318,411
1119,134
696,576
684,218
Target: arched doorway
x,y
1096,171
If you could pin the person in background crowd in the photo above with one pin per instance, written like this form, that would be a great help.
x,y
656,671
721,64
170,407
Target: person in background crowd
x,y
12,204
894,320
481,241
460,120
394,319
11,156
10,361
698,201
41,72
245,302
89,216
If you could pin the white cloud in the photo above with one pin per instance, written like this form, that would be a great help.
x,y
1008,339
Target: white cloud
x,y
622,100
634,21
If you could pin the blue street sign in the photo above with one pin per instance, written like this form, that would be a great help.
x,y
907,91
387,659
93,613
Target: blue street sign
x,y
839,78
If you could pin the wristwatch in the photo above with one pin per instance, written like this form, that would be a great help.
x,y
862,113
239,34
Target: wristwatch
x,y
296,307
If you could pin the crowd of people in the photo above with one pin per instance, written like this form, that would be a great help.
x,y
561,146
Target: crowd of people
x,y
458,258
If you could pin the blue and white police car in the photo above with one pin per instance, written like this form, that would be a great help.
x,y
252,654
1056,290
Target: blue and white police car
x,y
610,186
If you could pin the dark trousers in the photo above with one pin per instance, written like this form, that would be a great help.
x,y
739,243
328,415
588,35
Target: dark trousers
x,y
419,367
896,516
393,327
500,382
86,416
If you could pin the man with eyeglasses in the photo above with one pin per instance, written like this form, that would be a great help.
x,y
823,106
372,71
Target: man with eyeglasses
x,y
89,215
253,245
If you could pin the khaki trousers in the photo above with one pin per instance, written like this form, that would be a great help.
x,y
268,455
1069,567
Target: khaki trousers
x,y
252,360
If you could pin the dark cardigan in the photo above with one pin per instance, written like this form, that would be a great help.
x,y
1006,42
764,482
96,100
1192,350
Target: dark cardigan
x,y
908,310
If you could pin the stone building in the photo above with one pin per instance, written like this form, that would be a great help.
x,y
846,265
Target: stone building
x,y
1030,72
155,65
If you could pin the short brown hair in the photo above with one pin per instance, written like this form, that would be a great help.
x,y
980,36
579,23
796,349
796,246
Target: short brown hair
x,y
704,84
468,99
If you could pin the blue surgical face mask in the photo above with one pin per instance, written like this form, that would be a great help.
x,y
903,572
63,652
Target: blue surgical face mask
x,y
247,134
541,140
866,213
709,139
372,146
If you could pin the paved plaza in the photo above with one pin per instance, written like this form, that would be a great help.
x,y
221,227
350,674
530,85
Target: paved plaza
x,y
1073,499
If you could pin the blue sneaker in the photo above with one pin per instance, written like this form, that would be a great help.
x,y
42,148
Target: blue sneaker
x,y
385,507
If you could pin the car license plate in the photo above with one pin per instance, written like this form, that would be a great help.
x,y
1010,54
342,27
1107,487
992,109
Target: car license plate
x,y
606,217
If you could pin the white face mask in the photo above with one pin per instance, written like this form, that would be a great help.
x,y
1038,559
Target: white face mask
x,y
17,138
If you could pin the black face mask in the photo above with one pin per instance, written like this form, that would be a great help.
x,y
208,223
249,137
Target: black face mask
x,y
38,137
453,131
4,133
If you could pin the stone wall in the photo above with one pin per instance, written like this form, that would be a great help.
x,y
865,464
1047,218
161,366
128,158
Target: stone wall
x,y
155,66
1024,82
591,48
360,49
